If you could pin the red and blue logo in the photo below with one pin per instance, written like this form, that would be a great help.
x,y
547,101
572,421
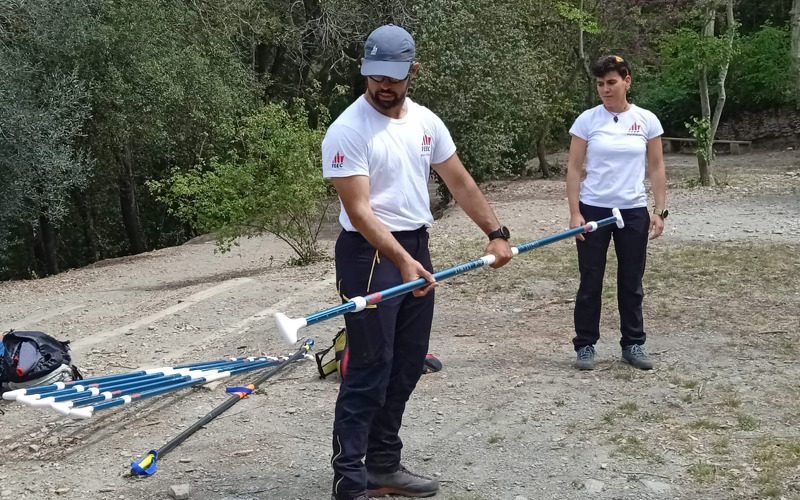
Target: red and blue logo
x,y
338,160
426,143
635,129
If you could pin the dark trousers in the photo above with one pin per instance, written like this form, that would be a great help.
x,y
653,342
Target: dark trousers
x,y
630,245
387,345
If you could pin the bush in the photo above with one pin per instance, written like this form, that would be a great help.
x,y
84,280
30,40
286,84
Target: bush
x,y
271,183
760,76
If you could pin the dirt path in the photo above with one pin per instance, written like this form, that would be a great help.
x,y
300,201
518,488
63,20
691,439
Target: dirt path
x,y
508,417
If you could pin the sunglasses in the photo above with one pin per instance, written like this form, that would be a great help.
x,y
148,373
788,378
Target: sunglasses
x,y
380,78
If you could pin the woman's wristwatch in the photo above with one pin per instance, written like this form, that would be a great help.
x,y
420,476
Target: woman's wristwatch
x,y
663,213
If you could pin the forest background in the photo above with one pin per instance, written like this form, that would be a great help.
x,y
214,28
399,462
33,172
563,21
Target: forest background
x,y
131,126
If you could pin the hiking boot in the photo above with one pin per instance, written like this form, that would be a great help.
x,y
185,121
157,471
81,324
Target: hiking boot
x,y
585,359
359,497
402,482
636,356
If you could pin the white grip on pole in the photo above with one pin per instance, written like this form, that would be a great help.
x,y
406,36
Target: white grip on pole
x,y
618,215
360,302
289,326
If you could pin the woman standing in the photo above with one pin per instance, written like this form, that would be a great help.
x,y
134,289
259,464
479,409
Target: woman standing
x,y
619,143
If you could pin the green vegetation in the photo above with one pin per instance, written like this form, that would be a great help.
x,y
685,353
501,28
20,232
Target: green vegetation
x,y
119,116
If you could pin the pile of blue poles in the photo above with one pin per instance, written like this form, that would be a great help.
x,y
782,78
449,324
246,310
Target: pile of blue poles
x,y
81,398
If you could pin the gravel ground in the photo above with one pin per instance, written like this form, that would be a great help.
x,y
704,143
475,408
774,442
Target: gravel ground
x,y
507,418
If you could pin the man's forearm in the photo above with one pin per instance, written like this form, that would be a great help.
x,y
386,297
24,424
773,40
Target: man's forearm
x,y
471,199
379,236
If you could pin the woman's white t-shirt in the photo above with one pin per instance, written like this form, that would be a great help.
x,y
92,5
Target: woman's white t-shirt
x,y
396,155
616,154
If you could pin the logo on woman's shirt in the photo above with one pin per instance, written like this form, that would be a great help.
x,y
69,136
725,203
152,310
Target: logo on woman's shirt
x,y
635,129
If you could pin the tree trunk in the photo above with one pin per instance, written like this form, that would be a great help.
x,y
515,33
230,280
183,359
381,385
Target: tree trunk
x,y
89,231
541,153
795,52
592,95
723,71
705,153
705,101
706,175
33,261
49,245
261,58
310,43
128,203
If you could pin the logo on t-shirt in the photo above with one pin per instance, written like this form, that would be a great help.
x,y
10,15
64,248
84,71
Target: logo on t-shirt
x,y
635,129
426,144
338,160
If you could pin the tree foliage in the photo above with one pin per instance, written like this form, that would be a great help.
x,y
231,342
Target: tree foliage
x,y
101,99
270,183
497,92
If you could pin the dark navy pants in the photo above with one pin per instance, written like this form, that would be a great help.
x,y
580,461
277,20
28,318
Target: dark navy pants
x,y
387,345
630,245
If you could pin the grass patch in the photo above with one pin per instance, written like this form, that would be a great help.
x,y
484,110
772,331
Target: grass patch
x,y
787,348
634,447
625,374
775,457
685,383
746,422
722,446
731,401
656,416
703,472
628,407
704,424
608,418
495,438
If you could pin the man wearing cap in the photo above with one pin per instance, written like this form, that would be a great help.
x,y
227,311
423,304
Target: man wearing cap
x,y
378,154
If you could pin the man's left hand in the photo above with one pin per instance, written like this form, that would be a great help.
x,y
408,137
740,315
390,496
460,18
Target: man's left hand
x,y
656,226
501,249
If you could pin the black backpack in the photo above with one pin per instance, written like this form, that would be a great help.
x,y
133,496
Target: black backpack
x,y
27,356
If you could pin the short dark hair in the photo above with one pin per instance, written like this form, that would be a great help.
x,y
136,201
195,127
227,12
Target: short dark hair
x,y
608,63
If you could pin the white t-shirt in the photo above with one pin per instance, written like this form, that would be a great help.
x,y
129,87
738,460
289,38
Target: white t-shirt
x,y
396,155
615,155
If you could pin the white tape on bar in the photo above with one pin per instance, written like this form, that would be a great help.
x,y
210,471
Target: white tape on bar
x,y
592,226
488,259
360,302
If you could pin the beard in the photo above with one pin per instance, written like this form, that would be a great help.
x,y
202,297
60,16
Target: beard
x,y
387,103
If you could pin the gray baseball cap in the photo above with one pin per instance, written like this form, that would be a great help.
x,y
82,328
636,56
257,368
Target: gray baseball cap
x,y
389,51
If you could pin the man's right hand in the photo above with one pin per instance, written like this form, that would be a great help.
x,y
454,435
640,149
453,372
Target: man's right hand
x,y
412,270
577,220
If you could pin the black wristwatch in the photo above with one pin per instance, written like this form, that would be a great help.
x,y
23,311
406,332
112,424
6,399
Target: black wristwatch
x,y
663,213
503,232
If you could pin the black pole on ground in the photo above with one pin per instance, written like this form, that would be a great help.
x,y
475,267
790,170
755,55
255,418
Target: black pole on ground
x,y
147,465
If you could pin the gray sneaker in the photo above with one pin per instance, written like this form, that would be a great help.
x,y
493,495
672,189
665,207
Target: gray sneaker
x,y
585,359
636,356
402,482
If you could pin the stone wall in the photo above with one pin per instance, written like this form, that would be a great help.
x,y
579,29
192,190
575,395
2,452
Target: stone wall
x,y
767,126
